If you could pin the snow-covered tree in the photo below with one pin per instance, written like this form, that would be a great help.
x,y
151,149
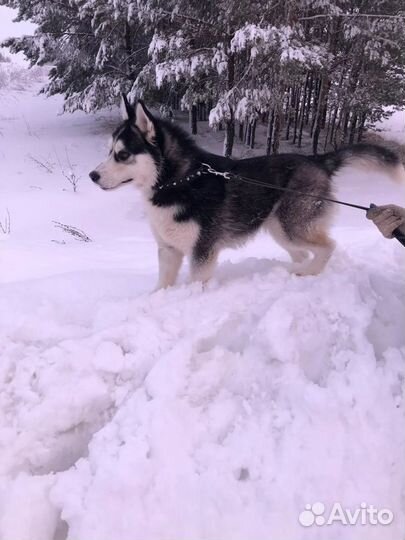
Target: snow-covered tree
x,y
96,49
324,69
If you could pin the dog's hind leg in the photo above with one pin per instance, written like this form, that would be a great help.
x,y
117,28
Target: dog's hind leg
x,y
311,239
297,253
305,220
170,260
321,246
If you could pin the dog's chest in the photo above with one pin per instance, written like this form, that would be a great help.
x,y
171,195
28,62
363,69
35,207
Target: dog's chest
x,y
181,235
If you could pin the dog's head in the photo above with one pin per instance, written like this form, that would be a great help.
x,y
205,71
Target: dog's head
x,y
133,153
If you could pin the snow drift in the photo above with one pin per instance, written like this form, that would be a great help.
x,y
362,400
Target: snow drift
x,y
186,414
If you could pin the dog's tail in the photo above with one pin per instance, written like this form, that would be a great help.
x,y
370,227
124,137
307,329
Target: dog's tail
x,y
369,157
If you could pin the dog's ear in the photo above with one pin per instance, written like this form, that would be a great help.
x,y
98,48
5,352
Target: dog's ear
x,y
127,111
145,121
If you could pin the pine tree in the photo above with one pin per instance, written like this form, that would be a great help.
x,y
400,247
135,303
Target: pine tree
x,y
95,48
319,69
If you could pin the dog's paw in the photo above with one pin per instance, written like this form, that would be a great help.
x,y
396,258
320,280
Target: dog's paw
x,y
299,257
304,270
159,287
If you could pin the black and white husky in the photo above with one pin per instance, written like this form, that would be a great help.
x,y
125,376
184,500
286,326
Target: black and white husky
x,y
196,211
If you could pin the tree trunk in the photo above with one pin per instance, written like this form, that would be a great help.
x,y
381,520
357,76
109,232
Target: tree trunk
x,y
290,105
193,119
352,83
230,123
363,117
269,137
277,130
336,142
353,125
302,112
253,134
296,114
323,95
229,137
247,134
333,125
327,131
325,105
345,127
128,50
241,131
315,105
308,105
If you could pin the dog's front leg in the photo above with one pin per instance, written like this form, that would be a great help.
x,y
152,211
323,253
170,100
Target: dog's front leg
x,y
203,266
170,260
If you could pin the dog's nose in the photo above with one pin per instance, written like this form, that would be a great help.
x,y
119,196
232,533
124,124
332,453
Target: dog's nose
x,y
94,176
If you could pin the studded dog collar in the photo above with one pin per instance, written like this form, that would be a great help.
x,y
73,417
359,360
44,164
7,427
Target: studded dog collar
x,y
205,168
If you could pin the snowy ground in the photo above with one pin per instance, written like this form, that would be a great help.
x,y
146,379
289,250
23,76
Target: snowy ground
x,y
393,128
185,414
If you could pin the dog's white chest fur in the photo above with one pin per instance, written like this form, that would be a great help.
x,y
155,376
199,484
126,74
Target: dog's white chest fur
x,y
181,235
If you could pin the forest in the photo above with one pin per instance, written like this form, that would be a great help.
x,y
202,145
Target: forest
x,y
321,69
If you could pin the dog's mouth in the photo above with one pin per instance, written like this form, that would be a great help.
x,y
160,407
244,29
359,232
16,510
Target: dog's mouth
x,y
115,187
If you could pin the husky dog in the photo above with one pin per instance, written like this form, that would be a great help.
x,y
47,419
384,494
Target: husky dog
x,y
195,210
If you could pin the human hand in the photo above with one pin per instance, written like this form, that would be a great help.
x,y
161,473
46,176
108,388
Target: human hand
x,y
387,218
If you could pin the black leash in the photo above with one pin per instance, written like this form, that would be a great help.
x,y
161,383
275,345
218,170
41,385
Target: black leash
x,y
254,182
296,191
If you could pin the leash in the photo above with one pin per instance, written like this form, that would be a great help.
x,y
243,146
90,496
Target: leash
x,y
397,234
254,182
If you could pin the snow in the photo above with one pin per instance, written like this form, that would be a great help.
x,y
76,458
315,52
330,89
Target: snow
x,y
282,39
393,128
185,414
9,28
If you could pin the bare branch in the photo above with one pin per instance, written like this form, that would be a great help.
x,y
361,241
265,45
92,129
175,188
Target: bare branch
x,y
371,15
69,34
133,54
46,166
77,234
5,227
70,176
187,17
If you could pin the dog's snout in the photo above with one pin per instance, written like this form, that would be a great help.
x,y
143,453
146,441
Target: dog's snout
x,y
94,176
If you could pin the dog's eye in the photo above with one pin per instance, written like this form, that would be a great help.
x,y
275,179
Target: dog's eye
x,y
122,156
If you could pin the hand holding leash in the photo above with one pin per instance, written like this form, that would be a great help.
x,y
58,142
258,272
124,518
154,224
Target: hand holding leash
x,y
389,219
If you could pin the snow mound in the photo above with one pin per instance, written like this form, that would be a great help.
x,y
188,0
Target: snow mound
x,y
193,414
186,414
16,77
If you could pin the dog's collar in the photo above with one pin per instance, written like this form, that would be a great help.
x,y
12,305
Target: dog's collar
x,y
204,168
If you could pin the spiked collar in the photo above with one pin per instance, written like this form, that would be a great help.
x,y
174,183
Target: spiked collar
x,y
204,168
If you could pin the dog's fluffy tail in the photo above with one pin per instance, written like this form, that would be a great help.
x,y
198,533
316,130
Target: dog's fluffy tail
x,y
369,157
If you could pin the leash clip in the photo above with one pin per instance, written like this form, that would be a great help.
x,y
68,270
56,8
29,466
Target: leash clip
x,y
210,170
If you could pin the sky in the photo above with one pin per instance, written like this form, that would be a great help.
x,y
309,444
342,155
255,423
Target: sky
x,y
8,28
